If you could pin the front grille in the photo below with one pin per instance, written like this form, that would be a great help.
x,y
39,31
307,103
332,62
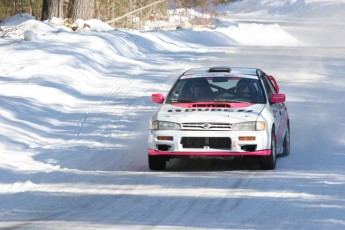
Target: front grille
x,y
206,142
207,126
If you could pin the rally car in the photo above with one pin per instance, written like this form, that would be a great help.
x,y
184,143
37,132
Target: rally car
x,y
220,112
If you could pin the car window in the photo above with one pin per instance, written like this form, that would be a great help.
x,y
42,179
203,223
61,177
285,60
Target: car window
x,y
175,94
223,83
270,84
215,89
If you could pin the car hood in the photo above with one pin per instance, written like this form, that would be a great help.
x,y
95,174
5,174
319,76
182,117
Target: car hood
x,y
178,114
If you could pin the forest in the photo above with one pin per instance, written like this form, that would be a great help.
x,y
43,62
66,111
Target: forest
x,y
119,13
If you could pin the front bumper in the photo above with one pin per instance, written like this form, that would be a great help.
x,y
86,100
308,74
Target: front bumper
x,y
208,143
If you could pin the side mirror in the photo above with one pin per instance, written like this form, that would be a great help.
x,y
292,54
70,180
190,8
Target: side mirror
x,y
157,98
273,80
278,98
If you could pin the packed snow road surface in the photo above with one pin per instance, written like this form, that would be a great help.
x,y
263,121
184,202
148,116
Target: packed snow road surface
x,y
74,122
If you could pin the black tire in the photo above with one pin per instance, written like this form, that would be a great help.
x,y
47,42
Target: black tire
x,y
157,163
286,144
269,162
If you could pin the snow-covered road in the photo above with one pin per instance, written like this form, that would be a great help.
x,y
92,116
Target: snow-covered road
x,y
74,120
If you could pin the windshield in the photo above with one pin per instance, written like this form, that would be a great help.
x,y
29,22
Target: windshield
x,y
217,89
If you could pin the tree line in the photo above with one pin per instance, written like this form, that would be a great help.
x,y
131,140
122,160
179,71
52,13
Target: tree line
x,y
104,10
47,9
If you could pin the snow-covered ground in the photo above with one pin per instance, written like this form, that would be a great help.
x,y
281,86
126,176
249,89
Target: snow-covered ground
x,y
75,106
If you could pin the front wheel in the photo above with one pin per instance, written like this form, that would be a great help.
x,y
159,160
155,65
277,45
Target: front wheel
x,y
269,162
157,163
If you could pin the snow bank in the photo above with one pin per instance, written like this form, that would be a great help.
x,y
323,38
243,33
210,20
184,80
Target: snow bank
x,y
74,112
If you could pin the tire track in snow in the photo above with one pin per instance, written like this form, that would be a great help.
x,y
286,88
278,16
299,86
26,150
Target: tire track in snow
x,y
82,121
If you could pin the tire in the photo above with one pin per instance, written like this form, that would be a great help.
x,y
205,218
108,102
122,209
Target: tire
x,y
157,163
269,162
286,144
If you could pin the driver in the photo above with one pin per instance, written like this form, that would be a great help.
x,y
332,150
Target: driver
x,y
246,89
199,90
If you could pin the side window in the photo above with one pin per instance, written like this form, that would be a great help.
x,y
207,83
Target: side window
x,y
267,86
270,83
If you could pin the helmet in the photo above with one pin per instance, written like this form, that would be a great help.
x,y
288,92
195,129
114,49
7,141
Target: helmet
x,y
246,88
200,87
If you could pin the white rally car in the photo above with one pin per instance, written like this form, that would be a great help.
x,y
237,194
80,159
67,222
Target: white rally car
x,y
220,112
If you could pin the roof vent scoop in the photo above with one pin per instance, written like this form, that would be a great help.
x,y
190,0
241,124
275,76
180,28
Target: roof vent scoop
x,y
219,70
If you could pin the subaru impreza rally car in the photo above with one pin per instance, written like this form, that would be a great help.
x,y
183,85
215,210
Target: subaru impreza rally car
x,y
220,112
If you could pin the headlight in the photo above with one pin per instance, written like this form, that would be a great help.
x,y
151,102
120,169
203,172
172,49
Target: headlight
x,y
250,126
164,125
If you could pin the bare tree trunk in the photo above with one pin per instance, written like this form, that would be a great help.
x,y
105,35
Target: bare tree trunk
x,y
32,8
97,9
83,9
15,6
112,13
22,6
52,8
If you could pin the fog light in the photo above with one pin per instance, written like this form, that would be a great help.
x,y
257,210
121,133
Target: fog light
x,y
246,138
165,138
